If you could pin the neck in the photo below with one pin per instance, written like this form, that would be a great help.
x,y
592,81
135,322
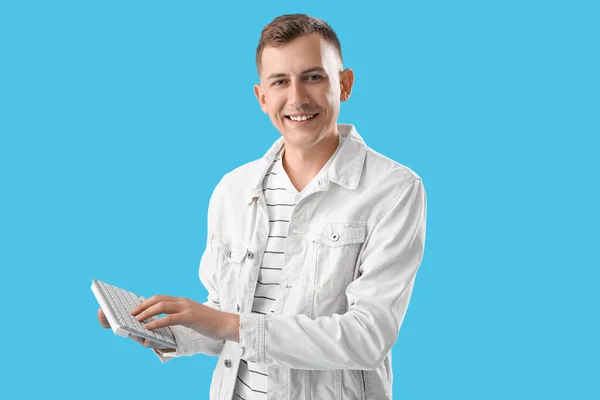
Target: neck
x,y
303,164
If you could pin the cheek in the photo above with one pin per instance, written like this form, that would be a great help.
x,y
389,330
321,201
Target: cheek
x,y
329,98
274,105
332,104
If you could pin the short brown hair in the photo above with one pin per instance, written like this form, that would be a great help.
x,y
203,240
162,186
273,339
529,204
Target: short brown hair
x,y
286,28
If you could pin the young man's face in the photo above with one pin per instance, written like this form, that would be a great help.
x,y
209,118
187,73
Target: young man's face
x,y
303,79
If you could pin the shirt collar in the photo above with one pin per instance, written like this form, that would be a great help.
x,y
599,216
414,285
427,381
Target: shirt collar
x,y
345,170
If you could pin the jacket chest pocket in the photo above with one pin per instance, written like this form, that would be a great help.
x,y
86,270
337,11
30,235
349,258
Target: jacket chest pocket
x,y
334,249
231,255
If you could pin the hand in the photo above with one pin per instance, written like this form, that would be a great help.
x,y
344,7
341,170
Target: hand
x,y
207,321
144,342
102,319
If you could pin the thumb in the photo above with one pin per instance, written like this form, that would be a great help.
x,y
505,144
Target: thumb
x,y
102,319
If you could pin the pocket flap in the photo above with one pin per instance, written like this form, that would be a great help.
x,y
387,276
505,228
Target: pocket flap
x,y
337,234
234,252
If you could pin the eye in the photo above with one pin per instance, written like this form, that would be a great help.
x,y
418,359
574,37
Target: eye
x,y
277,83
314,77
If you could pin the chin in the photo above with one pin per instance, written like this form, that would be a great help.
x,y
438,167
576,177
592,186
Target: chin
x,y
302,139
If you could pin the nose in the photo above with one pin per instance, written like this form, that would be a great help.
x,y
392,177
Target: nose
x,y
298,95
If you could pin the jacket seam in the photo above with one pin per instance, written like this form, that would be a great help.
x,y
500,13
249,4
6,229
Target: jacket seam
x,y
391,204
395,163
388,209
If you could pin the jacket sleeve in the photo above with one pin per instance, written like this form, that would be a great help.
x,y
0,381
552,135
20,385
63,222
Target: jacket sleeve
x,y
377,301
189,341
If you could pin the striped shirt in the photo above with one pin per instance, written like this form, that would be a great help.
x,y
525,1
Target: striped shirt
x,y
281,196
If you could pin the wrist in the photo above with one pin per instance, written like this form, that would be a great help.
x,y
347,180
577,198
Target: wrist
x,y
232,328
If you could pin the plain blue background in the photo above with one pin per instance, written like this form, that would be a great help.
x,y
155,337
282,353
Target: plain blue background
x,y
117,119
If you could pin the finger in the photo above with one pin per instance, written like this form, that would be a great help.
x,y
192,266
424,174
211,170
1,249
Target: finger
x,y
147,342
150,302
167,320
159,308
102,319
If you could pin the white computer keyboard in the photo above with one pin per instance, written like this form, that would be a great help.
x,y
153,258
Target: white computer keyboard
x,y
117,305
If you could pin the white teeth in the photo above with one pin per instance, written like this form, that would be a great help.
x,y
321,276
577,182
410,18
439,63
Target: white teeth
x,y
303,118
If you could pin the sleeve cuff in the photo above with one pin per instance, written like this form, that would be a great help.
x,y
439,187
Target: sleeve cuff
x,y
164,357
252,337
180,339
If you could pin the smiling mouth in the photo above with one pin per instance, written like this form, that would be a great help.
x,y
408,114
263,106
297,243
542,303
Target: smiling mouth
x,y
301,118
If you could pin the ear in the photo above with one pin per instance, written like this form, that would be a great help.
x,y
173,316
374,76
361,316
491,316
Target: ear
x,y
346,82
260,96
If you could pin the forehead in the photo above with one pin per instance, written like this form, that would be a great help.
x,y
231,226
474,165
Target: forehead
x,y
301,53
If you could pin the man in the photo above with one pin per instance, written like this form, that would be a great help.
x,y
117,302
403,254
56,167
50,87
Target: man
x,y
312,251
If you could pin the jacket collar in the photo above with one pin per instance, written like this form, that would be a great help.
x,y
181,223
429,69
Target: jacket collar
x,y
345,170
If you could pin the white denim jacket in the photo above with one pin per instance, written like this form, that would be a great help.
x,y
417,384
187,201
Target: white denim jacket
x,y
354,245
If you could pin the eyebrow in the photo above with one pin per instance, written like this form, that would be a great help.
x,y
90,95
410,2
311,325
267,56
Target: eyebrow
x,y
306,71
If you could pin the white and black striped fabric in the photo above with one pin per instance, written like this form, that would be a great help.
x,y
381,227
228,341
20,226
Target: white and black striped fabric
x,y
280,194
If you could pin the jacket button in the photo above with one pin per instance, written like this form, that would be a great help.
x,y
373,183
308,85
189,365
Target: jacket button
x,y
228,363
335,237
250,255
238,308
